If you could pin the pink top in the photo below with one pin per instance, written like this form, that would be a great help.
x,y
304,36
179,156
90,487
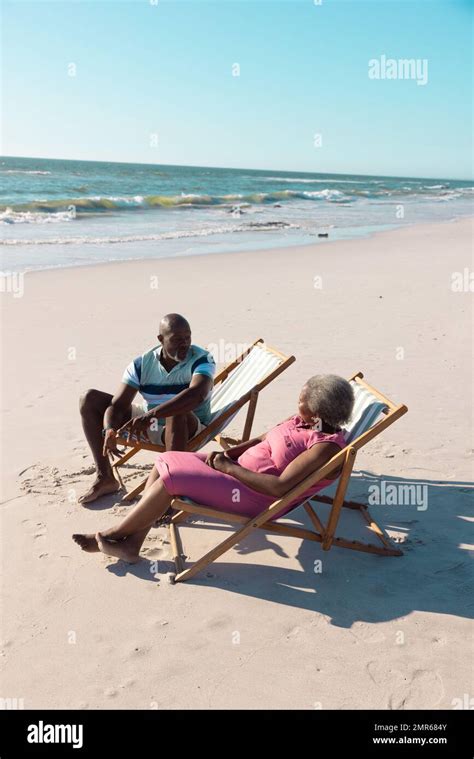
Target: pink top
x,y
283,444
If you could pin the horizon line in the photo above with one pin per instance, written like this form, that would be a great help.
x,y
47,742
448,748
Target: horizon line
x,y
231,168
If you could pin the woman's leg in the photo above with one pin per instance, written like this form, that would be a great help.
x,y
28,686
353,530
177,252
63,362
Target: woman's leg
x,y
154,503
125,541
152,477
89,543
132,531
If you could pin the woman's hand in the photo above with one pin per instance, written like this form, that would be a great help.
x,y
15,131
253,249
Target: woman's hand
x,y
211,457
222,463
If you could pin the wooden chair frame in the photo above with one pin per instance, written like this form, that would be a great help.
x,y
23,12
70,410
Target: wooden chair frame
x,y
324,534
250,398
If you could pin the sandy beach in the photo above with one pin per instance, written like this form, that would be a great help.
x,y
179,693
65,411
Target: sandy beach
x,y
261,629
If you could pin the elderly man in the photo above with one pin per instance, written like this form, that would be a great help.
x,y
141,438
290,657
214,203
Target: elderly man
x,y
175,380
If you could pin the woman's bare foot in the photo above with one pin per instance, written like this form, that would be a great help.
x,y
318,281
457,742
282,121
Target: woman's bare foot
x,y
86,542
102,486
124,549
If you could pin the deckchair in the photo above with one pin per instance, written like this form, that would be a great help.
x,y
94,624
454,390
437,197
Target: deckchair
x,y
372,414
237,385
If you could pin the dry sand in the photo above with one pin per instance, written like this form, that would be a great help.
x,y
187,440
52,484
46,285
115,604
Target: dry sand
x,y
261,629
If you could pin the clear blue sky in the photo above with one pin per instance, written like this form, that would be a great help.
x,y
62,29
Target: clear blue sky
x,y
167,69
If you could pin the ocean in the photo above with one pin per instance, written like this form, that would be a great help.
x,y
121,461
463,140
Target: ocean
x,y
57,213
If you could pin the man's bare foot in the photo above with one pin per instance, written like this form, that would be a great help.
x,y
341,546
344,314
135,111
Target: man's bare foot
x,y
121,549
86,542
102,486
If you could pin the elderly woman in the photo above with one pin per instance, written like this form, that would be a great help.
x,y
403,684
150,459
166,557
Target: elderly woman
x,y
245,479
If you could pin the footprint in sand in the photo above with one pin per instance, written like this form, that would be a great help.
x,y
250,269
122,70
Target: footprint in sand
x,y
218,622
85,471
127,683
138,651
420,689
4,645
120,511
381,674
424,690
152,553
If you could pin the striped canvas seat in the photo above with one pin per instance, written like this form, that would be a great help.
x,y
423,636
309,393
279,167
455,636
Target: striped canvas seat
x,y
256,365
367,410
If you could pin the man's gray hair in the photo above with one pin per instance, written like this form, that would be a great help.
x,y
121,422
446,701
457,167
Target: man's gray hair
x,y
331,398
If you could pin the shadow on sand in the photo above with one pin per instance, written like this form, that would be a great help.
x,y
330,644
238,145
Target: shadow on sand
x,y
434,575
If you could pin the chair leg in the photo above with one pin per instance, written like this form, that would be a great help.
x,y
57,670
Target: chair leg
x,y
180,516
136,491
121,482
126,456
176,547
339,499
382,536
226,442
388,547
356,545
214,554
250,415
116,469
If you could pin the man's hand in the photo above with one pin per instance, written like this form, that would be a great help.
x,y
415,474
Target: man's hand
x,y
110,445
137,428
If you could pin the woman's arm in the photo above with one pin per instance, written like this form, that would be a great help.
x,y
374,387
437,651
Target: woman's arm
x,y
269,484
234,453
238,450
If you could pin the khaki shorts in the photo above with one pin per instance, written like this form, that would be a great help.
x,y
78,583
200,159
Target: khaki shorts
x,y
156,434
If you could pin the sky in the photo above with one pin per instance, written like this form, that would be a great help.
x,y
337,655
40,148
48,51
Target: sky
x,y
154,81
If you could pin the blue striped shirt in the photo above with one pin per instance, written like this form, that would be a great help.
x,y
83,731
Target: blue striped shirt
x,y
156,386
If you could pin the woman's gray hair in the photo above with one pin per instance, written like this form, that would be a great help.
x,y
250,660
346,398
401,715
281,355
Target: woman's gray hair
x,y
331,398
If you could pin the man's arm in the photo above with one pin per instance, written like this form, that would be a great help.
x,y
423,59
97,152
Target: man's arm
x,y
182,403
185,401
114,416
120,404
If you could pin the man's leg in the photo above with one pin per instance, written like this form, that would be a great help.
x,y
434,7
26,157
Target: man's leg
x,y
93,405
179,430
